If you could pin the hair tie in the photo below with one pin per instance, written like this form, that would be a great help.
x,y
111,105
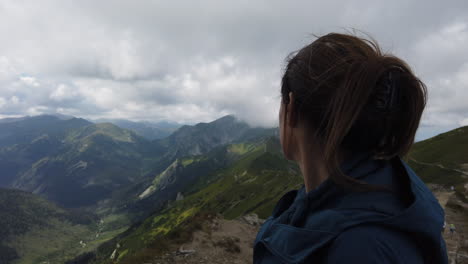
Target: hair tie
x,y
387,96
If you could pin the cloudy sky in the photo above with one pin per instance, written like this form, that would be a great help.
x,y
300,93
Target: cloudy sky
x,y
193,61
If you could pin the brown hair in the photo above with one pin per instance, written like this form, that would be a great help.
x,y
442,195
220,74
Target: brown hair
x,y
356,97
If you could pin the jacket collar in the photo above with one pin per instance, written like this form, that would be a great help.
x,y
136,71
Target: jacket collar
x,y
286,239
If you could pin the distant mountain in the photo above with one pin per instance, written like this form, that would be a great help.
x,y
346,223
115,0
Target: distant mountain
x,y
165,186
24,141
63,117
194,151
72,162
251,181
113,171
202,137
12,119
22,130
183,173
77,163
194,144
148,130
189,153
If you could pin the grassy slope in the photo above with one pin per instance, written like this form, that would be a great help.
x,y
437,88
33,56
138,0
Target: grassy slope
x,y
253,184
33,229
38,230
59,239
89,165
449,149
440,159
256,181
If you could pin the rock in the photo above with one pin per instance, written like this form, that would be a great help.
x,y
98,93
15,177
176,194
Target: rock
x,y
179,196
113,255
252,219
183,251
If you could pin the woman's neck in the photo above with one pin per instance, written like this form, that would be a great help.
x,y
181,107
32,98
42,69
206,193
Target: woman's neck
x,y
313,175
309,156
313,168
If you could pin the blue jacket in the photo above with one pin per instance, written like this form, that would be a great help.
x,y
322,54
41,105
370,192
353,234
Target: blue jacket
x,y
330,225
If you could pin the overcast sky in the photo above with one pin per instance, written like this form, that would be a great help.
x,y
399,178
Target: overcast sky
x,y
195,61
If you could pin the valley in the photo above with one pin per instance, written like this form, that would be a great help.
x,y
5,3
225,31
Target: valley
x,y
105,172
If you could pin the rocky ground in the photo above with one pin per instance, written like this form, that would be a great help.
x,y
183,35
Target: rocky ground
x,y
231,241
456,212
224,241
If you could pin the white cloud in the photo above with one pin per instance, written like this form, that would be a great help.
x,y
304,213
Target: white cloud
x,y
2,102
196,61
30,81
37,110
7,70
443,50
464,122
63,92
14,100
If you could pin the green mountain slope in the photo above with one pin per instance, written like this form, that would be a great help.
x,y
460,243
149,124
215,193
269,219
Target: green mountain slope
x,y
251,184
76,163
159,188
106,169
25,140
171,185
80,168
442,159
21,130
179,167
150,131
201,138
34,230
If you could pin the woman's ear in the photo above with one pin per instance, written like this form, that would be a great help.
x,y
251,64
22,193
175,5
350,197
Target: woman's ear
x,y
291,112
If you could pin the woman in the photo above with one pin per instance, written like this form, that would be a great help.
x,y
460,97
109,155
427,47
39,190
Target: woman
x,y
348,114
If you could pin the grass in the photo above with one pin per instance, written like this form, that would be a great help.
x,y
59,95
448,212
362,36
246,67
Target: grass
x,y
240,148
253,184
59,243
449,149
55,242
437,175
437,159
187,161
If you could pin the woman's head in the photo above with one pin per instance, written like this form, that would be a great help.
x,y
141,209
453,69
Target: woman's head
x,y
353,97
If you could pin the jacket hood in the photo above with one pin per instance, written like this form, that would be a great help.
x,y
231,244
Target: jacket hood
x,y
319,216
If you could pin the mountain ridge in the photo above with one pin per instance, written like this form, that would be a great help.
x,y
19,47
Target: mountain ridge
x,y
231,192
163,190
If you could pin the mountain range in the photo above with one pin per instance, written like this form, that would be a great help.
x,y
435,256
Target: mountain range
x,y
113,172
148,130
252,183
138,197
